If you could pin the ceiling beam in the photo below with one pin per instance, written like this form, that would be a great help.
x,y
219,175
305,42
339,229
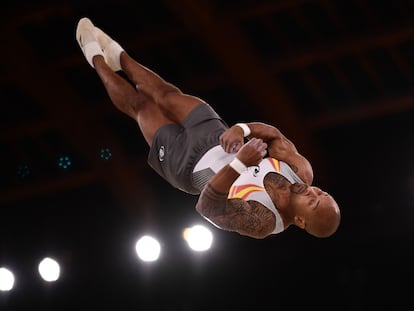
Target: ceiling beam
x,y
258,10
354,45
374,110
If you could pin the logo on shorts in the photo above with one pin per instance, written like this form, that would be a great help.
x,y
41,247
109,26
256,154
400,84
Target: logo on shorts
x,y
161,153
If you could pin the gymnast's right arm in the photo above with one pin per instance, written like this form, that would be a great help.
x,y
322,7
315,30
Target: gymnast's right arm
x,y
247,218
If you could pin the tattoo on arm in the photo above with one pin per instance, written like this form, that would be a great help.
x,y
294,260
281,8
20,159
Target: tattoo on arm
x,y
211,202
247,218
294,168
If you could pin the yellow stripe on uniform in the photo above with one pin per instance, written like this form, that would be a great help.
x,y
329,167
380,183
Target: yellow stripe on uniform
x,y
275,163
243,191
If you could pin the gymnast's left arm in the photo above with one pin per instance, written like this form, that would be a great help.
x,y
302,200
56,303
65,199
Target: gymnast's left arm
x,y
279,146
283,149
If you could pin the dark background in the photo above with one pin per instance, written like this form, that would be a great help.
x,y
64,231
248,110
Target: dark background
x,y
336,77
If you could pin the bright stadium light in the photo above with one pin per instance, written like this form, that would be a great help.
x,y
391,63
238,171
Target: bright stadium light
x,y
49,269
148,248
198,237
6,279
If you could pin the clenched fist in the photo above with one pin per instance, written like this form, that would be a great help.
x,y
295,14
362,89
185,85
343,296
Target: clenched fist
x,y
252,152
232,139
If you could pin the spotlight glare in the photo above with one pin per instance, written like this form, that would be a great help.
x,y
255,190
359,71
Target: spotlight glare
x,y
148,248
198,237
6,279
49,269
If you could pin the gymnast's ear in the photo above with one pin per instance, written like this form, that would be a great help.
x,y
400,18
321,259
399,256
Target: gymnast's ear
x,y
300,222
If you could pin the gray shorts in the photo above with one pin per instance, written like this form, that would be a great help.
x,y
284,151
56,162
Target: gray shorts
x,y
176,149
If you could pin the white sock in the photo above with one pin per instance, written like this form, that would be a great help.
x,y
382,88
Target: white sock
x,y
92,49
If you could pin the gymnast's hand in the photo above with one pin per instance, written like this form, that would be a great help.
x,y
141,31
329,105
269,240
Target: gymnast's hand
x,y
252,152
232,139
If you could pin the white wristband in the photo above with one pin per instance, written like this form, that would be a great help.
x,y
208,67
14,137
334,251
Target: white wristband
x,y
238,166
245,128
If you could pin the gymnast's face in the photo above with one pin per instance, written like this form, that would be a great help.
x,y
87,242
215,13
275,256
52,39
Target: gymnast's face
x,y
316,211
307,198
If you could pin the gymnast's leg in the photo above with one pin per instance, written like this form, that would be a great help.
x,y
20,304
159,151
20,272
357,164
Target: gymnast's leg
x,y
133,102
173,103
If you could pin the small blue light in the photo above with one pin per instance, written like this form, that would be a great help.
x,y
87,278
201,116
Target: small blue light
x,y
64,162
105,154
23,170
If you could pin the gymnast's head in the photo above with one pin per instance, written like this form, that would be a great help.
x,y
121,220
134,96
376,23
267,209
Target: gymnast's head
x,y
316,211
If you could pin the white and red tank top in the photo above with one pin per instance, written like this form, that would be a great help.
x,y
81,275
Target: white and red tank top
x,y
249,186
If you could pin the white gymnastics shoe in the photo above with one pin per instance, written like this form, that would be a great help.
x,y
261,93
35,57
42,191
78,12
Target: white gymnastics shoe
x,y
111,49
85,35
